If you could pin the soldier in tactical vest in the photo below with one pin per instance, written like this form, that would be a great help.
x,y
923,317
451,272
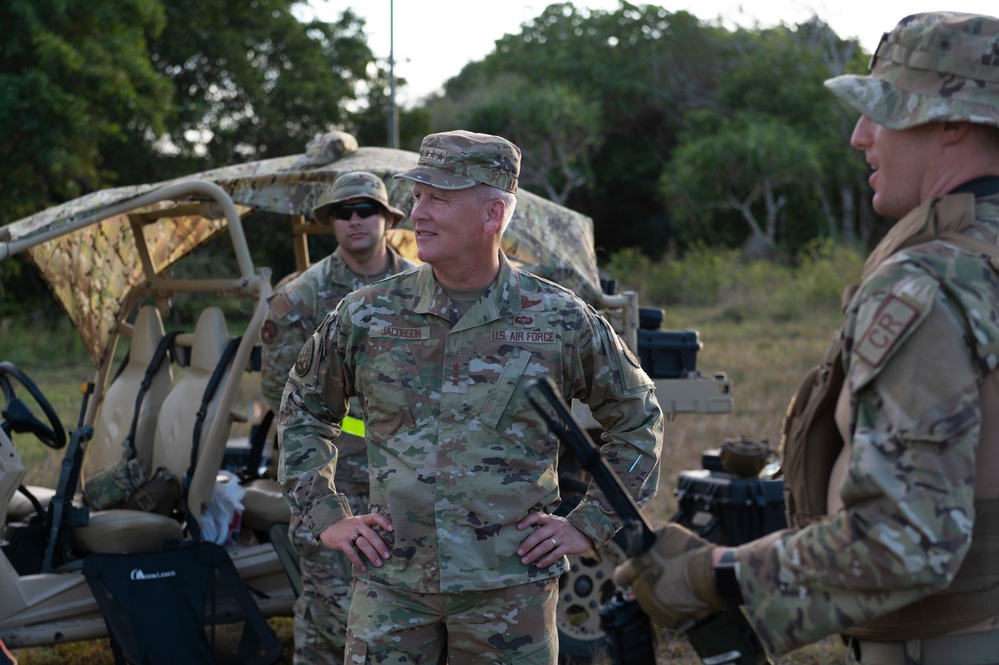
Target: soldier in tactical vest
x,y
358,209
460,553
891,446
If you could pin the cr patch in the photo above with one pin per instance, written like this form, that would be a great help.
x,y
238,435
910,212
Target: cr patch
x,y
891,321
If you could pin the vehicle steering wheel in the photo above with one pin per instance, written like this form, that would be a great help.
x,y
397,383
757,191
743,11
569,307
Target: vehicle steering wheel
x,y
17,417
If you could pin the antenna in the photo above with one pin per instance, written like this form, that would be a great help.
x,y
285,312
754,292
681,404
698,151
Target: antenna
x,y
393,114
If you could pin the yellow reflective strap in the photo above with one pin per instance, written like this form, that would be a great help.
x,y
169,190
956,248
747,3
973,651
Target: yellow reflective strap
x,y
353,426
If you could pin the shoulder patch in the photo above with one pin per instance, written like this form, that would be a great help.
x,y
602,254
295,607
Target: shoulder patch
x,y
630,355
892,320
268,332
304,362
280,304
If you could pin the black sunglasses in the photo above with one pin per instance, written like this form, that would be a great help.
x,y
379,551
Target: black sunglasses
x,y
363,209
878,51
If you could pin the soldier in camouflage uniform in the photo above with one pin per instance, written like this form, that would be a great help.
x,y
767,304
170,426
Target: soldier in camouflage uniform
x,y
357,208
460,554
891,447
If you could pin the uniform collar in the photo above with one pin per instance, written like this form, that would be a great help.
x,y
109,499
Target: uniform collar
x,y
502,298
980,187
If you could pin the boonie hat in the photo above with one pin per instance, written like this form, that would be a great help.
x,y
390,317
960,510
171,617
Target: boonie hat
x,y
933,67
460,159
356,184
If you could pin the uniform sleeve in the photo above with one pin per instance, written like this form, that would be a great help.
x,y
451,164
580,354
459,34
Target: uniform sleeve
x,y
313,406
621,397
909,489
282,335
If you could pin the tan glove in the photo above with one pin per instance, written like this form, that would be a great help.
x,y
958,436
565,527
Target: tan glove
x,y
673,581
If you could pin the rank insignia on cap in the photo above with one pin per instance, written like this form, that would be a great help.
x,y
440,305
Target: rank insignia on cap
x,y
886,329
304,361
434,156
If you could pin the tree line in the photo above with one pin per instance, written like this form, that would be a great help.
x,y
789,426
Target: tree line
x,y
669,131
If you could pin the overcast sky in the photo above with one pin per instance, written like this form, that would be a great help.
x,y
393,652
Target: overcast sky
x,y
434,39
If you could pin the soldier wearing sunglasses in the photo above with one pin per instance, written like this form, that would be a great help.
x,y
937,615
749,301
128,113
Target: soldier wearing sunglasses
x,y
357,208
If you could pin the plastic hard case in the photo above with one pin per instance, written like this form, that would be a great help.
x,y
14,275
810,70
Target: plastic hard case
x,y
668,354
728,510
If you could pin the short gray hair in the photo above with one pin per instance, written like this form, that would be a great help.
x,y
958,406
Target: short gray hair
x,y
486,193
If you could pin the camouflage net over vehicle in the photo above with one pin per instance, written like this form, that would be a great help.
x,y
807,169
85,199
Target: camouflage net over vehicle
x,y
93,270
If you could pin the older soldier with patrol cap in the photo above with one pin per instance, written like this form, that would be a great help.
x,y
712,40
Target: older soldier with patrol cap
x,y
891,446
460,554
358,209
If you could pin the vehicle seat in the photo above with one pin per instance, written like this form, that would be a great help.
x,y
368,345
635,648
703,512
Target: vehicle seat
x,y
20,507
118,406
263,501
117,410
136,531
263,504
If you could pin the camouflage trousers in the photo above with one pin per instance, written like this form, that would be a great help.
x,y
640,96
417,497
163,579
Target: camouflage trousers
x,y
321,609
512,625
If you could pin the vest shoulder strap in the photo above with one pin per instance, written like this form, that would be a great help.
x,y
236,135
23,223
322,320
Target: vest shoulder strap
x,y
810,441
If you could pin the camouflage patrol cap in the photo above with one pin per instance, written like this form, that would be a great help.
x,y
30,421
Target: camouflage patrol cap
x,y
933,67
353,185
460,159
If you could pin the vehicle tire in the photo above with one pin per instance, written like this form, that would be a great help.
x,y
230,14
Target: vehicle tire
x,y
582,591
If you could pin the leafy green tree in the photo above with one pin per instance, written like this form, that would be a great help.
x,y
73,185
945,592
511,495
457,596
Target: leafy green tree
x,y
75,78
101,93
251,81
558,131
106,92
640,68
742,167
655,75
781,75
774,158
556,128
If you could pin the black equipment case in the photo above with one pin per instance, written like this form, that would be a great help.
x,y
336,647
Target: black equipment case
x,y
728,510
665,354
668,354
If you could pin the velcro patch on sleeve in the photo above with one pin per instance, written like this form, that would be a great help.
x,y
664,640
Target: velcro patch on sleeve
x,y
268,332
280,305
304,362
888,326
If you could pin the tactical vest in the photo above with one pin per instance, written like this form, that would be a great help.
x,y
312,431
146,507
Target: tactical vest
x,y
811,443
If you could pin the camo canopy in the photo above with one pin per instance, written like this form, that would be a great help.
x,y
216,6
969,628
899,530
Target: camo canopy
x,y
93,269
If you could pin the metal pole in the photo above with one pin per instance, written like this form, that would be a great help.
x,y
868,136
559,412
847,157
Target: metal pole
x,y
393,119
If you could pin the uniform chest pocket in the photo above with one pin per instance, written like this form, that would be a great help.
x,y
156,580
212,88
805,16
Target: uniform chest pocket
x,y
508,411
394,398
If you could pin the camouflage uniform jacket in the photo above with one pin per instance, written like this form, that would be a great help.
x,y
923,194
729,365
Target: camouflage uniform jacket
x,y
921,333
296,308
457,453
